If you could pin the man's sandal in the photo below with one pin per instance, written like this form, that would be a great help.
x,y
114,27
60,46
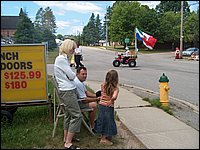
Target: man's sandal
x,y
75,139
72,147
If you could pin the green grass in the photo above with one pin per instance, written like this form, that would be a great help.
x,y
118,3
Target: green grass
x,y
51,56
29,126
158,104
31,129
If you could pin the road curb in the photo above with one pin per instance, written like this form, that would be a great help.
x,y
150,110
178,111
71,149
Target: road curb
x,y
182,102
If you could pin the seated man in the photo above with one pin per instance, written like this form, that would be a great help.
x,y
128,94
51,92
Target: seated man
x,y
126,56
127,51
89,98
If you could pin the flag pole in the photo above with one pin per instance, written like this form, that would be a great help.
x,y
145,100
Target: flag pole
x,y
135,41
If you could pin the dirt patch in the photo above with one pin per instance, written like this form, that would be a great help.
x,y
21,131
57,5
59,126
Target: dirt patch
x,y
129,140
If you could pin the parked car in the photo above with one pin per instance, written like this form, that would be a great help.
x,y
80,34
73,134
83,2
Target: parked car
x,y
189,51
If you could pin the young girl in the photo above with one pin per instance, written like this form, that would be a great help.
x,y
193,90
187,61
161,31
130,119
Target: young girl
x,y
105,123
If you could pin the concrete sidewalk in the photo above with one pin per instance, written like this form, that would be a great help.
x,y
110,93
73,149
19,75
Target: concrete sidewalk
x,y
155,128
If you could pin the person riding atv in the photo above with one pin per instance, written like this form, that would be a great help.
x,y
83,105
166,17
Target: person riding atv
x,y
127,58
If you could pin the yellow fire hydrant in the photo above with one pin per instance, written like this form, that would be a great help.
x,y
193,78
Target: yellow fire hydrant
x,y
164,88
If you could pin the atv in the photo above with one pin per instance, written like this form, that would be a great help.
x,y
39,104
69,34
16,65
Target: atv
x,y
129,60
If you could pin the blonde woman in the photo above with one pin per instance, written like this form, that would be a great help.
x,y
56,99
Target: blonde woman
x,y
67,92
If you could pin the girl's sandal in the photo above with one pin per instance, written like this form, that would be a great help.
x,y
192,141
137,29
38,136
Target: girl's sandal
x,y
106,142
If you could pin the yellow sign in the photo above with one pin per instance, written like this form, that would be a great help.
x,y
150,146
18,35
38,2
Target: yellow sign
x,y
23,73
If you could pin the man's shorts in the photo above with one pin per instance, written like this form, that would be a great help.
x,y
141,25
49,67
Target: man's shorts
x,y
83,105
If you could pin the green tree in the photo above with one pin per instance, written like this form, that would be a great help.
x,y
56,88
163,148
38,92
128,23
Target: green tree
x,y
162,22
191,29
38,26
45,25
50,38
123,20
48,20
60,36
170,19
86,34
174,6
25,29
169,29
98,28
90,31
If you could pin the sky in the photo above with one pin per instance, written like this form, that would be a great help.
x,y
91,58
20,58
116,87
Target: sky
x,y
71,16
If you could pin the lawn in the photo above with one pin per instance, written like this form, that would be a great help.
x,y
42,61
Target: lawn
x,y
51,55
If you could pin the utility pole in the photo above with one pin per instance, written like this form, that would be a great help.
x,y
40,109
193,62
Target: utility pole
x,y
106,32
106,21
82,33
181,31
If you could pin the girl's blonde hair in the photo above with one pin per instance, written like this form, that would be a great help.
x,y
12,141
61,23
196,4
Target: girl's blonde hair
x,y
67,47
111,82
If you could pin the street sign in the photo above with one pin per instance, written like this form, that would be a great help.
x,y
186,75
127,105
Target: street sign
x,y
127,40
23,73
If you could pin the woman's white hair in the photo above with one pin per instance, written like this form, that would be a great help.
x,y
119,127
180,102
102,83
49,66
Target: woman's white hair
x,y
67,46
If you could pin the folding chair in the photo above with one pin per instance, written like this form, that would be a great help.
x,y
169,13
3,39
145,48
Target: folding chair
x,y
59,112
